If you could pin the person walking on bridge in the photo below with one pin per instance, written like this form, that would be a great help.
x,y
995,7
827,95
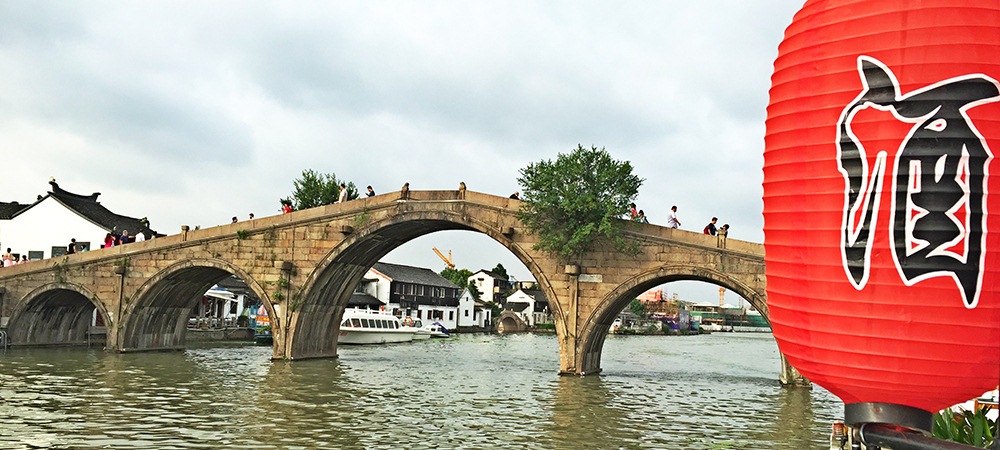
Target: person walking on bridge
x,y
672,220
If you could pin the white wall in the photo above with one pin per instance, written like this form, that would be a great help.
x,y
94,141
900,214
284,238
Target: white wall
x,y
46,225
444,320
486,286
467,310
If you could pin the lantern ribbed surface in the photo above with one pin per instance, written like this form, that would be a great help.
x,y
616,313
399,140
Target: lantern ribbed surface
x,y
897,302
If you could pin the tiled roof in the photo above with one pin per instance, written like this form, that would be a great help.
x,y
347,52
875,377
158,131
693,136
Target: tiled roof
x,y
359,300
536,294
494,275
415,275
88,207
8,210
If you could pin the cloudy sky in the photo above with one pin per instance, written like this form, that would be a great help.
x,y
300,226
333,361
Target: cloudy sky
x,y
192,112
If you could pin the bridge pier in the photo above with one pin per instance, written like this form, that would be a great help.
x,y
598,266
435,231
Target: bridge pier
x,y
790,376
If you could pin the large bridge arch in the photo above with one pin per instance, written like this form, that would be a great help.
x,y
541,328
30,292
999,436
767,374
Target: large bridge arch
x,y
58,313
156,318
320,303
594,335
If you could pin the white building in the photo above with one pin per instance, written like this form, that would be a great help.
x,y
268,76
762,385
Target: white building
x,y
472,312
44,228
490,284
531,305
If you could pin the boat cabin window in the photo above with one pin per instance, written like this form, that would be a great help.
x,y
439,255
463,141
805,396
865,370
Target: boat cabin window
x,y
356,323
364,323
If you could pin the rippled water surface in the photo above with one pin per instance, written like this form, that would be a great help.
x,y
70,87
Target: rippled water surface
x,y
716,391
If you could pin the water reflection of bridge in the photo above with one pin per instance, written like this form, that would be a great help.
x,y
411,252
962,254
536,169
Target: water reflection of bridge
x,y
304,267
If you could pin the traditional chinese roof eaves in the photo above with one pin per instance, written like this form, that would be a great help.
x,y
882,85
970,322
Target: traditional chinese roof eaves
x,y
89,208
9,210
414,275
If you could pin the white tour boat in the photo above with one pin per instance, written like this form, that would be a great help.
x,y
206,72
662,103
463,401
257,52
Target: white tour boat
x,y
364,326
419,331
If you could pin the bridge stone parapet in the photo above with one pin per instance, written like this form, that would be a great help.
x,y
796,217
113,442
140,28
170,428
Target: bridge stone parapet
x,y
305,265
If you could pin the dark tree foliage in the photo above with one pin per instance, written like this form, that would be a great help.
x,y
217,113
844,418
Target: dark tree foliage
x,y
501,271
474,291
458,276
576,200
461,278
317,189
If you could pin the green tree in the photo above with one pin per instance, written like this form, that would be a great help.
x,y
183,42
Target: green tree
x,y
637,307
574,201
474,291
458,276
501,271
317,189
461,278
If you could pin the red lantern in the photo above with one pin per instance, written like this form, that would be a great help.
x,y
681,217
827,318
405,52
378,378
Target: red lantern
x,y
881,220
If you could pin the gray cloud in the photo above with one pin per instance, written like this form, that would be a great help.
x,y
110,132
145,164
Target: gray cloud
x,y
221,105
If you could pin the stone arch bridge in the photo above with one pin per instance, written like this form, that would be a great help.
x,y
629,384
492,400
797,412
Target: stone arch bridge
x,y
305,265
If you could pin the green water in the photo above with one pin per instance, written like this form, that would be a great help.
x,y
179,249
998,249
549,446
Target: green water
x,y
715,391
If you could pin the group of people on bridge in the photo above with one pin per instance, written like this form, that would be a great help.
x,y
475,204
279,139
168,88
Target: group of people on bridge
x,y
10,259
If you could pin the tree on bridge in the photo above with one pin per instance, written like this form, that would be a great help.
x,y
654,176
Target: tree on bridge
x,y
317,189
576,200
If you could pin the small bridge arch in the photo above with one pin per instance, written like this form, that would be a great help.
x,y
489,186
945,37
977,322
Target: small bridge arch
x,y
618,299
510,322
58,313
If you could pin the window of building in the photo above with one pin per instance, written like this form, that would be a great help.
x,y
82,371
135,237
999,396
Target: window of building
x,y
466,313
35,255
451,315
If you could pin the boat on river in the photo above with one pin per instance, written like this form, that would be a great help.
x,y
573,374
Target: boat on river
x,y
420,333
437,330
365,326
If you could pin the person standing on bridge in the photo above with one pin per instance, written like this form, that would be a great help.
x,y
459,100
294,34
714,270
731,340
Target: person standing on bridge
x,y
672,221
371,192
632,213
343,193
71,248
710,228
641,217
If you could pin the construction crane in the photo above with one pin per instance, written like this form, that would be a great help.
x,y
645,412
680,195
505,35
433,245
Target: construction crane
x,y
447,260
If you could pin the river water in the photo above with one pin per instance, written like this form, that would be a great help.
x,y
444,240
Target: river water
x,y
477,391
